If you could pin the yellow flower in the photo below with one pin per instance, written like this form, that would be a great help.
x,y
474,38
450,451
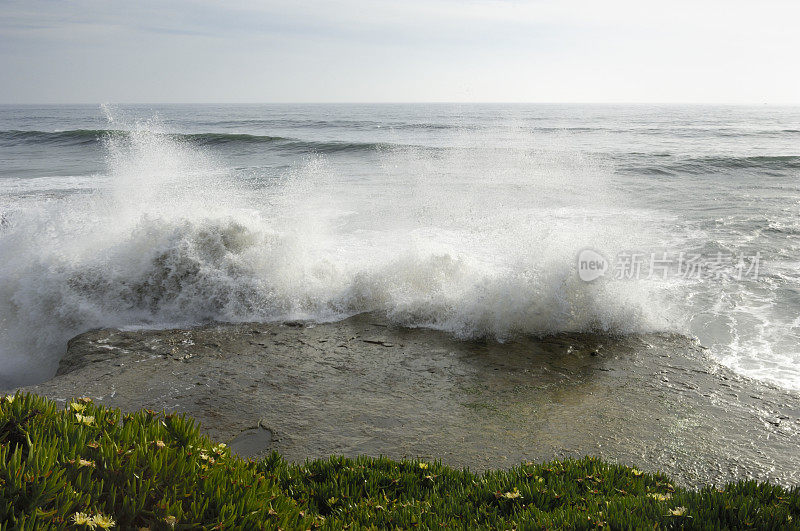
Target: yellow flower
x,y
9,398
85,462
512,494
83,519
103,522
85,399
660,497
204,456
678,511
636,472
220,448
87,420
171,520
76,407
160,444
423,466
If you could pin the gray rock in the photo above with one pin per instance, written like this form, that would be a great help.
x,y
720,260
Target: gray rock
x,y
655,401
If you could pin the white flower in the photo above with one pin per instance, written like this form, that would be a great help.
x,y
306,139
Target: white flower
x,y
220,448
103,522
83,519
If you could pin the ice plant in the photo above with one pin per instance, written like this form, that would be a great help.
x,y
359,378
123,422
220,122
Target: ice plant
x,y
219,448
103,522
77,407
83,519
45,481
86,420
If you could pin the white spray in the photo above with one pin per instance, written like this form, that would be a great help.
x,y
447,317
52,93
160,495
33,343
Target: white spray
x,y
477,241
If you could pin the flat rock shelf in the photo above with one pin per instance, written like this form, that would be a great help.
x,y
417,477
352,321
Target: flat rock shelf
x,y
362,386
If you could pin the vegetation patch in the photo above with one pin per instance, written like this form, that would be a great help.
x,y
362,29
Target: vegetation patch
x,y
90,467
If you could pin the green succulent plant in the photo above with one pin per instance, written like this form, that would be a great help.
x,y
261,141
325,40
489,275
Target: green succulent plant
x,y
86,466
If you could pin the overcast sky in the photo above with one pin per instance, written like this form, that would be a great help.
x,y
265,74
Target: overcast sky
x,y
704,51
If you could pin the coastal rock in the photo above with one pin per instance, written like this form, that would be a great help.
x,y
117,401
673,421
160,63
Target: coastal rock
x,y
362,386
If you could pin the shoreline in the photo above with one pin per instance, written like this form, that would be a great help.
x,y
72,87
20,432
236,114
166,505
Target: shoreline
x,y
362,386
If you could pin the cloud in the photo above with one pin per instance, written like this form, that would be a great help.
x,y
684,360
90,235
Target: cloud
x,y
486,50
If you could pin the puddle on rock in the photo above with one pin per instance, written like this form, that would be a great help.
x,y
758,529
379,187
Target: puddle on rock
x,y
251,443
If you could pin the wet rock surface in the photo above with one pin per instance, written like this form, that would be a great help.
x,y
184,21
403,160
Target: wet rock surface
x,y
361,386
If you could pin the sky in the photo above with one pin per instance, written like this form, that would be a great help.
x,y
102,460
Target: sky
x,y
156,51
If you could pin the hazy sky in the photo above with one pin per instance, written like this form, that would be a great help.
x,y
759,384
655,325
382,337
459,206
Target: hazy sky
x,y
725,51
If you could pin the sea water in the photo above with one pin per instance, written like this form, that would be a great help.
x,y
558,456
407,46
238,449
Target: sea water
x,y
489,221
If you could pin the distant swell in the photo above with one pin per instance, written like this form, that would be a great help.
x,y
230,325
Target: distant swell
x,y
634,163
669,165
71,137
774,162
92,136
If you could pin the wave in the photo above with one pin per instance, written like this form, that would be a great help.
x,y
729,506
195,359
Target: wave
x,y
290,144
70,137
769,162
98,136
361,125
479,243
674,166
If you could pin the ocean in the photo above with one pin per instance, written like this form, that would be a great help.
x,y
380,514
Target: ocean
x,y
486,221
